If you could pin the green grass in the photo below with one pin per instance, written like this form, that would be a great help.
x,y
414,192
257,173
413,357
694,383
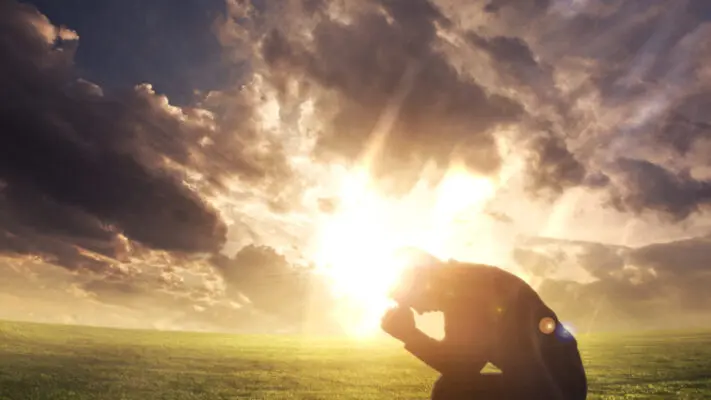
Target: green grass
x,y
65,362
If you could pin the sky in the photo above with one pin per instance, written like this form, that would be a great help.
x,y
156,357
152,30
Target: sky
x,y
236,165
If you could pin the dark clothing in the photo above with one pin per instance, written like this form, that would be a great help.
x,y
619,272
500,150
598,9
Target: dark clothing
x,y
484,386
493,316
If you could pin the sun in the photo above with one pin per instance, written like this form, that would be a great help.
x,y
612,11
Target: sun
x,y
357,247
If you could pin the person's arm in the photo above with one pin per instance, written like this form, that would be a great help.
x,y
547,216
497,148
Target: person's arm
x,y
443,356
428,350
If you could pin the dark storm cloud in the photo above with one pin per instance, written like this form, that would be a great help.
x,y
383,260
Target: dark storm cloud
x,y
372,61
638,49
644,58
311,6
551,166
687,123
587,86
536,6
656,286
648,186
80,167
557,73
512,53
619,30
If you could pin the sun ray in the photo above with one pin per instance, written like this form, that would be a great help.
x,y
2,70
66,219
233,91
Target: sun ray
x,y
357,247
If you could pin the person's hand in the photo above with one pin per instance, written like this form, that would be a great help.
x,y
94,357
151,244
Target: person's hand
x,y
399,322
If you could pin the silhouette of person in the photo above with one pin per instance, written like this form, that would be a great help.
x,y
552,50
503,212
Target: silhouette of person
x,y
490,315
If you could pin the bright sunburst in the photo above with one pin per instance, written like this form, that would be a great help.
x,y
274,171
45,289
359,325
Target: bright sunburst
x,y
357,246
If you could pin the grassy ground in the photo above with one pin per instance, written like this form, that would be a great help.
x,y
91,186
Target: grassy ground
x,y
63,362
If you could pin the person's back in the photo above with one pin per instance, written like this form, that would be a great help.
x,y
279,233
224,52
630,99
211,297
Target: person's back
x,y
493,316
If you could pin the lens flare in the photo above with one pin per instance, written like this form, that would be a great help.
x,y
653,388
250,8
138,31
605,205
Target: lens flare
x,y
547,325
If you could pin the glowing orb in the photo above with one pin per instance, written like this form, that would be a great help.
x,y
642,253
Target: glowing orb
x,y
547,325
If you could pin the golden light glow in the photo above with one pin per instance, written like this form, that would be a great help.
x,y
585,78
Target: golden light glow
x,y
357,246
547,325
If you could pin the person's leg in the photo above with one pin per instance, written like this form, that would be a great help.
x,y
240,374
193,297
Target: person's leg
x,y
489,386
484,387
538,361
566,365
445,388
552,371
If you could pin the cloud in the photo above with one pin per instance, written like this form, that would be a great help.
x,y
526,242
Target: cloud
x,y
495,6
638,105
381,77
121,189
515,59
274,286
158,292
658,286
83,170
574,89
647,186
552,166
685,127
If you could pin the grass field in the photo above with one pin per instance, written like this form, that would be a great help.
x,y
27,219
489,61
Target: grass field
x,y
65,362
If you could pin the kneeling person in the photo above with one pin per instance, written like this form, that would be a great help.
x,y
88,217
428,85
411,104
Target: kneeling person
x,y
490,315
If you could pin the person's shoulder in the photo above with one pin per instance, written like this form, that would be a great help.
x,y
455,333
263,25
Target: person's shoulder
x,y
497,278
479,269
468,273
